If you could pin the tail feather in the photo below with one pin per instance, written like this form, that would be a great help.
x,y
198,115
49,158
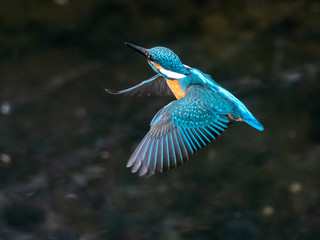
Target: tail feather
x,y
254,123
240,110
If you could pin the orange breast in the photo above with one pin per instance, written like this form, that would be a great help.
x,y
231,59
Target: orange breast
x,y
173,84
175,88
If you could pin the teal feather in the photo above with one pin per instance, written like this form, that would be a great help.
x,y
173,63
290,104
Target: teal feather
x,y
186,125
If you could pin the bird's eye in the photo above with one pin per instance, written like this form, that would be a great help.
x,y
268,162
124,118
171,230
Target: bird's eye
x,y
150,58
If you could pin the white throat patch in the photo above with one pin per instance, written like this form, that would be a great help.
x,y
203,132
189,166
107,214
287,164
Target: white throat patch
x,y
171,74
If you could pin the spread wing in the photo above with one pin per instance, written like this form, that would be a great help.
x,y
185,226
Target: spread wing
x,y
155,85
180,129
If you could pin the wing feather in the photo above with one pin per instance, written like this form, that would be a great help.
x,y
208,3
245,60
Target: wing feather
x,y
177,131
155,85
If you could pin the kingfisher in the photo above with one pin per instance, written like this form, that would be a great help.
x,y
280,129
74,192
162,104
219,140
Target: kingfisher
x,y
201,112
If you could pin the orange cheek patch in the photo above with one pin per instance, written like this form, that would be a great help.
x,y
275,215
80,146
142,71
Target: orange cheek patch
x,y
175,88
158,67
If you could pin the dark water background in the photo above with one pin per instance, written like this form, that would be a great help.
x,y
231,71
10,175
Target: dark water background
x,y
64,142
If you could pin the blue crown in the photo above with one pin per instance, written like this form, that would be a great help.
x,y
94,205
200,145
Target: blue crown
x,y
167,59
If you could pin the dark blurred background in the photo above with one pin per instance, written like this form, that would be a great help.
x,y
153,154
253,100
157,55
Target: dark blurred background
x,y
64,142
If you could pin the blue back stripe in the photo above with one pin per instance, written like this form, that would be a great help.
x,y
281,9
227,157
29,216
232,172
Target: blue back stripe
x,y
191,135
174,153
179,147
186,139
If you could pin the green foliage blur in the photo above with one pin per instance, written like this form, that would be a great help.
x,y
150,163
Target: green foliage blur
x,y
64,142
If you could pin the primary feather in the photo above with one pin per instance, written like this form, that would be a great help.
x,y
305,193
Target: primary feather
x,y
180,129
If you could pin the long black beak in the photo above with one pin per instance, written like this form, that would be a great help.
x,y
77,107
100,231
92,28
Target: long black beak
x,y
137,48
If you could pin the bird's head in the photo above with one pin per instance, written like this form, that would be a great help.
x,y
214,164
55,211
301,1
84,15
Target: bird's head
x,y
163,61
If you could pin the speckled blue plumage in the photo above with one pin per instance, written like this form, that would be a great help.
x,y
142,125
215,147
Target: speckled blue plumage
x,y
167,59
183,126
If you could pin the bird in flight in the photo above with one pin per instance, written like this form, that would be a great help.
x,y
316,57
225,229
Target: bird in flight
x,y
202,111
